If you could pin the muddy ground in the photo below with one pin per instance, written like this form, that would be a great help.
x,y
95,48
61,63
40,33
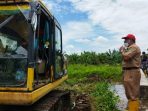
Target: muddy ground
x,y
80,102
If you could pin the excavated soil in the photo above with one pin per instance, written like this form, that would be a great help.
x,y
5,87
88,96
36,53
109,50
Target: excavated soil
x,y
80,102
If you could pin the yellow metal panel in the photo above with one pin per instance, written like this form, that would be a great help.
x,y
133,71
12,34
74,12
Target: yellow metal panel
x,y
15,98
30,79
24,98
14,7
12,89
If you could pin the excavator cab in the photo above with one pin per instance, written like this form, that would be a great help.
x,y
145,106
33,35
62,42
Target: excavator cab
x,y
31,59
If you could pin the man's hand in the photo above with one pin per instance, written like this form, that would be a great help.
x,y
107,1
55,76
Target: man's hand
x,y
122,49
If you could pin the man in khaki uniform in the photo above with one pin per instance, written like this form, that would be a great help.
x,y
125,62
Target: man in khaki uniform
x,y
131,71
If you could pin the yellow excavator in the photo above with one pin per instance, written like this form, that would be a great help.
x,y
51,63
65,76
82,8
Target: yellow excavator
x,y
32,62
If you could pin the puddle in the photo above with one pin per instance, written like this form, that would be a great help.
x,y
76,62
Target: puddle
x,y
119,90
122,104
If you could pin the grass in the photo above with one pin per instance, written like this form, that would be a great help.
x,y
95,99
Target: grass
x,y
94,81
105,100
79,72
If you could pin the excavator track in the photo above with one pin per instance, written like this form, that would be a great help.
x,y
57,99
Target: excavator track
x,y
56,100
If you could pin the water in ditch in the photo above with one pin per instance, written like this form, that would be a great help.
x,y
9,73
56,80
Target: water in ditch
x,y
122,104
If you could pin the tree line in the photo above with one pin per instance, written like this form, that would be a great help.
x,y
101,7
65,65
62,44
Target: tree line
x,y
93,58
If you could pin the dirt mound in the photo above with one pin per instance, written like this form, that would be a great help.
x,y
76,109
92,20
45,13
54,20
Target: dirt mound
x,y
82,103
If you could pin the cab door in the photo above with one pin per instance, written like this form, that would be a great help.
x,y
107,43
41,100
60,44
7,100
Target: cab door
x,y
43,44
58,53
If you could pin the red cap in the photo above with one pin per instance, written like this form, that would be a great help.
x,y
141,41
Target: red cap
x,y
129,36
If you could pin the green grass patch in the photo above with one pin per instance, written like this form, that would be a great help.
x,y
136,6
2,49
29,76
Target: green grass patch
x,y
79,72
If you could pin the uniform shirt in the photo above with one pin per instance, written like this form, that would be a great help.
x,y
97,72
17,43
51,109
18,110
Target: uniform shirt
x,y
131,56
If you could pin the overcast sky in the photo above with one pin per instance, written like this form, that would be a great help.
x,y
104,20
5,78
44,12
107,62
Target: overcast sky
x,y
98,25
